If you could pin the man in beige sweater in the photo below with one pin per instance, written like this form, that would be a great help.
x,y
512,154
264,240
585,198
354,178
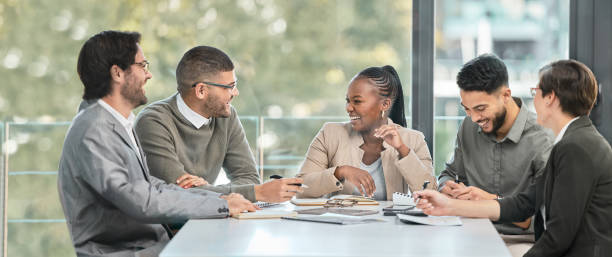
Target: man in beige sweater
x,y
189,136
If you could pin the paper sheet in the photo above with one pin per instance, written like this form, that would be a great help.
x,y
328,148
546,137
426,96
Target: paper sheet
x,y
431,220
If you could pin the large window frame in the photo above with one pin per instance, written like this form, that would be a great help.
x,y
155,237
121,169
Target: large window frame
x,y
589,43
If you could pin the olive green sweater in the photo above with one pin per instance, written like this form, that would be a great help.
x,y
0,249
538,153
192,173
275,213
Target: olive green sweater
x,y
173,147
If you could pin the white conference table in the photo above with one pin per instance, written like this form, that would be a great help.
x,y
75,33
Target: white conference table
x,y
278,237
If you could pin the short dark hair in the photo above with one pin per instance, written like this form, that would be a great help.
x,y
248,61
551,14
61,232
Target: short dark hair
x,y
484,73
573,83
199,63
99,54
389,85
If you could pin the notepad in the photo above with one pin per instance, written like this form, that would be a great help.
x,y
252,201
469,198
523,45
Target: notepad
x,y
431,220
265,214
309,201
344,211
261,204
334,219
403,199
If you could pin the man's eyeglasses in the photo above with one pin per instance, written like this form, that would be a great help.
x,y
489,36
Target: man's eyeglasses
x,y
340,203
230,86
144,64
533,91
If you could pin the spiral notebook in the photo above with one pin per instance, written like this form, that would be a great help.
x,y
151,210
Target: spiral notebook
x,y
261,204
402,199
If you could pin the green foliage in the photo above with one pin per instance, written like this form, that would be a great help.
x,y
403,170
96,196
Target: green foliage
x,y
294,55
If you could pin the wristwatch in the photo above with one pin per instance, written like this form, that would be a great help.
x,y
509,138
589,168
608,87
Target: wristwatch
x,y
499,197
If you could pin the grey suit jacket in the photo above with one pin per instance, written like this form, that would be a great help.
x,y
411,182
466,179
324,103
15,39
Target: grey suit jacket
x,y
113,206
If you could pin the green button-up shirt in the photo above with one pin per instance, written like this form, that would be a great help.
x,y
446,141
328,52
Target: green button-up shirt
x,y
505,167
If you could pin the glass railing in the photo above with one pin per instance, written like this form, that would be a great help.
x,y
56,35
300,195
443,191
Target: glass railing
x,y
35,221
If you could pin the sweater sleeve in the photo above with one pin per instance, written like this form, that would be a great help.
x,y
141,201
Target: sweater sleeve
x,y
239,163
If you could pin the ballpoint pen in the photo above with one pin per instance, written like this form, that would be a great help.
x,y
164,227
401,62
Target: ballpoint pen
x,y
296,184
424,187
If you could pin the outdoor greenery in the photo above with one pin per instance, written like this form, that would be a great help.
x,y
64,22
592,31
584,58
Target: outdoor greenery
x,y
294,60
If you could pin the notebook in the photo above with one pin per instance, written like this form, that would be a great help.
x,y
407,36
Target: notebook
x,y
403,199
334,219
265,214
351,212
309,201
261,204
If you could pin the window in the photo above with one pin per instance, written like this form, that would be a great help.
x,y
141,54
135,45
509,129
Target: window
x,y
526,34
294,61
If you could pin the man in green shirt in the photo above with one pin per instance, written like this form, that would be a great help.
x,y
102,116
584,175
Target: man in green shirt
x,y
189,136
500,148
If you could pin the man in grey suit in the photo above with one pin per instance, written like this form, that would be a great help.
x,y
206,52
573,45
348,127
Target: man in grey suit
x,y
113,206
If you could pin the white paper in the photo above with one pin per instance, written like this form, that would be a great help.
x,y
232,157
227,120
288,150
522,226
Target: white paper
x,y
433,220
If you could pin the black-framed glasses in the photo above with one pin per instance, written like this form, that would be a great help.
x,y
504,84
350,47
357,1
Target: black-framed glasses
x,y
230,86
144,64
533,91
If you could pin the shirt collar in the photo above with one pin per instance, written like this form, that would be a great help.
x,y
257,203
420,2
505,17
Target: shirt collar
x,y
517,128
562,132
127,123
195,118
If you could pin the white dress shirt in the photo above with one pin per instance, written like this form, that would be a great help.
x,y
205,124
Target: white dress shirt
x,y
128,123
195,118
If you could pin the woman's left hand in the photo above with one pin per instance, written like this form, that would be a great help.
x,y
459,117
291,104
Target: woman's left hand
x,y
390,135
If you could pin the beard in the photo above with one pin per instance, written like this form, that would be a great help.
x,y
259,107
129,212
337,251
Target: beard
x,y
216,107
133,93
498,122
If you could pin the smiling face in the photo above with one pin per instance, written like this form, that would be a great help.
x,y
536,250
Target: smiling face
x,y
217,103
364,105
487,110
136,76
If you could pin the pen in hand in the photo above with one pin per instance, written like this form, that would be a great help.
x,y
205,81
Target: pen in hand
x,y
424,187
296,184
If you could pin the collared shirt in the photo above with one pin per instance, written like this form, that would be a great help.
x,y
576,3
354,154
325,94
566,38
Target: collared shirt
x,y
557,139
128,123
503,167
195,118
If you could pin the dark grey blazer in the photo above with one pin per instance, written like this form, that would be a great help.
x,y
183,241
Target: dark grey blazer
x,y
576,190
113,207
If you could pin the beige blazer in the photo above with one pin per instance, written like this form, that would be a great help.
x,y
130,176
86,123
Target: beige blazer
x,y
338,144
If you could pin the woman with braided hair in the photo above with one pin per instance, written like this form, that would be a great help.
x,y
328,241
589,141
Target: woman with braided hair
x,y
373,154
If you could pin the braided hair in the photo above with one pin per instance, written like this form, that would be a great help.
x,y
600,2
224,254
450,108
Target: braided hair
x,y
389,85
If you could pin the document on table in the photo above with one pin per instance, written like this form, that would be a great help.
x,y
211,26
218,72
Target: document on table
x,y
309,201
334,219
431,220
265,214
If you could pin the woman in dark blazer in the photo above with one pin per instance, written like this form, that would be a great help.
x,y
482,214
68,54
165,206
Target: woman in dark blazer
x,y
572,200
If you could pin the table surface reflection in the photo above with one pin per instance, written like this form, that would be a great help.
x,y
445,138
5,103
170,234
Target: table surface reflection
x,y
278,237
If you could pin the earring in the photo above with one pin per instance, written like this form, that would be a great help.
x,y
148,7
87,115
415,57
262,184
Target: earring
x,y
382,114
